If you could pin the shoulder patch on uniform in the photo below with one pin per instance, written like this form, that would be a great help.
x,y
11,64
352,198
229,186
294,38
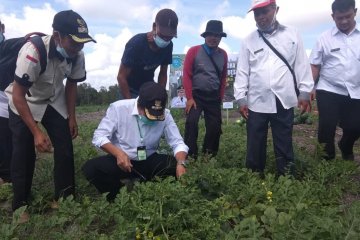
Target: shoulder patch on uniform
x,y
34,60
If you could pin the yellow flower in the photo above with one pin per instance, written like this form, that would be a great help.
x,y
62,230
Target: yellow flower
x,y
269,193
138,237
150,234
263,183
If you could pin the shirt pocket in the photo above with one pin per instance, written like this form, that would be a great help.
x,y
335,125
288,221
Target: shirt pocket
x,y
257,54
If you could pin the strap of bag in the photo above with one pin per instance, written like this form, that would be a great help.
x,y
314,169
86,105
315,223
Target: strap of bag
x,y
40,46
214,64
282,58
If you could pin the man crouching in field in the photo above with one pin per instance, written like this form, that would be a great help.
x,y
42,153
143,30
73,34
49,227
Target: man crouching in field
x,y
130,132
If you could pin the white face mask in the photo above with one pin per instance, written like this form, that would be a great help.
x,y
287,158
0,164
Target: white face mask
x,y
161,43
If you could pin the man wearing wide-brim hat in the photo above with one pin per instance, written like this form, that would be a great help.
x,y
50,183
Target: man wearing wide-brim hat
x,y
204,79
266,88
130,133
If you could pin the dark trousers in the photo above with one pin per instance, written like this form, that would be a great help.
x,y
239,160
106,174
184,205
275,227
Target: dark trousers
x,y
5,149
337,109
105,174
23,159
257,129
210,104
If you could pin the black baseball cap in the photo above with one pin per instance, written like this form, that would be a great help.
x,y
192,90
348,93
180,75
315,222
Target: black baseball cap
x,y
153,97
167,21
71,23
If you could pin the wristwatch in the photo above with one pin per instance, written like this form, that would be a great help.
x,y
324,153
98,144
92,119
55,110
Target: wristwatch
x,y
184,163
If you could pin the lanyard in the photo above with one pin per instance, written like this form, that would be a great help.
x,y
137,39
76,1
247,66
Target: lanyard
x,y
141,136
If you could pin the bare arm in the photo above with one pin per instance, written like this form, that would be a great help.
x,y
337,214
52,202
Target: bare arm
x,y
315,69
42,141
122,77
162,78
70,93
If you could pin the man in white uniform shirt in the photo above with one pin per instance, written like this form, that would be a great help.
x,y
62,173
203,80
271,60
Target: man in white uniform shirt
x,y
5,133
35,98
130,133
335,61
265,90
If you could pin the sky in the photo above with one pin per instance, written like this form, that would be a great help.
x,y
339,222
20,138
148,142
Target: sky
x,y
113,22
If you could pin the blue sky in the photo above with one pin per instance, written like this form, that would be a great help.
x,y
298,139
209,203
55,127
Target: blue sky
x,y
113,22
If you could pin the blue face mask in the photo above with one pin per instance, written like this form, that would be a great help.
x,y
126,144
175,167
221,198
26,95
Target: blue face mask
x,y
61,50
146,121
2,37
161,43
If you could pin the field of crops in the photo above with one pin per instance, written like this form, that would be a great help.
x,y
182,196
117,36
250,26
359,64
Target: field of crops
x,y
217,198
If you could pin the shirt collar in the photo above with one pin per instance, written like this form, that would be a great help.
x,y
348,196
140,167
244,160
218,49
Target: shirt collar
x,y
336,31
135,110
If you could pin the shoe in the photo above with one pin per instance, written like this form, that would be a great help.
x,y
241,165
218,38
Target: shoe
x,y
345,156
54,205
23,218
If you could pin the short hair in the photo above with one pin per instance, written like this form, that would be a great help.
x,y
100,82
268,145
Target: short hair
x,y
342,5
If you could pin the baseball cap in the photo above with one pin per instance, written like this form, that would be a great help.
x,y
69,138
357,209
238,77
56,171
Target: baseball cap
x,y
260,3
167,21
153,97
71,23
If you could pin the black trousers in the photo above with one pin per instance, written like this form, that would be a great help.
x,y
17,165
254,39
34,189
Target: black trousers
x,y
257,129
23,158
337,109
105,174
5,149
210,104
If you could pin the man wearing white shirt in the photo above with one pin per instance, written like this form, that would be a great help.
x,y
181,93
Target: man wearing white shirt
x,y
265,90
130,133
335,62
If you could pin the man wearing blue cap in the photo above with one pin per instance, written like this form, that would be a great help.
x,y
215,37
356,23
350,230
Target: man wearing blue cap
x,y
35,98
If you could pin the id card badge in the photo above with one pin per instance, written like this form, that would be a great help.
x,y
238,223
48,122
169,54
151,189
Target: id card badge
x,y
141,153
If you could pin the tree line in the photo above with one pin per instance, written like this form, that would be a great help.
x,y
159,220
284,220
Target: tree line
x,y
88,95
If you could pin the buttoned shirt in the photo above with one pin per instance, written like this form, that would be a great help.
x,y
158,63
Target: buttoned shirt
x,y
338,55
262,76
122,128
47,88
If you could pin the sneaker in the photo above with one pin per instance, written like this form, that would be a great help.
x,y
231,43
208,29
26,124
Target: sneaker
x,y
23,218
54,205
345,156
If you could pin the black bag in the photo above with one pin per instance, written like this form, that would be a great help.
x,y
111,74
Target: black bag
x,y
9,51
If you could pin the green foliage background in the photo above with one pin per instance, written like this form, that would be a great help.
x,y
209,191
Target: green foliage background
x,y
216,199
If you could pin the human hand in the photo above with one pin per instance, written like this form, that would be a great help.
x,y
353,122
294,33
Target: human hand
x,y
73,127
42,142
304,106
313,95
180,170
123,161
190,104
244,111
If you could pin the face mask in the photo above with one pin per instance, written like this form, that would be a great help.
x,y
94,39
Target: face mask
x,y
2,38
271,27
161,43
61,50
146,121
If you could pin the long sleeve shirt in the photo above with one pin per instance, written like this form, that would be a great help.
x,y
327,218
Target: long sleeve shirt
x,y
262,76
338,55
123,129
